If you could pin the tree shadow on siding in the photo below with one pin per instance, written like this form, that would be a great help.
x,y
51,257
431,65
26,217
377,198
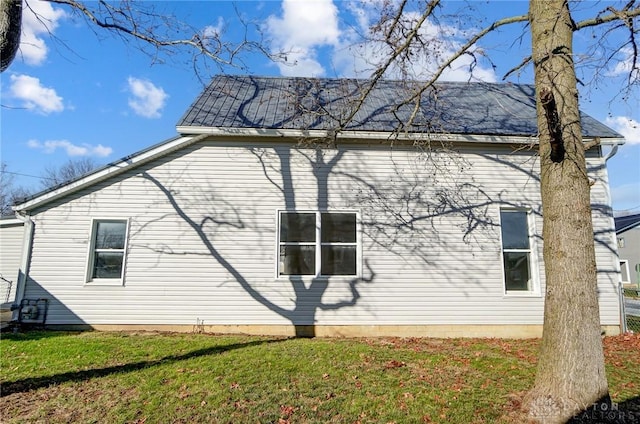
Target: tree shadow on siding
x,y
408,220
308,299
600,210
404,215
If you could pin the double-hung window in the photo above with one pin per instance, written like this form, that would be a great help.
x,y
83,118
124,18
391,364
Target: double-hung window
x,y
107,251
517,251
317,243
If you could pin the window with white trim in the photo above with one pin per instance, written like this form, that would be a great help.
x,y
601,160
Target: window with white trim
x,y
516,251
108,250
317,243
624,271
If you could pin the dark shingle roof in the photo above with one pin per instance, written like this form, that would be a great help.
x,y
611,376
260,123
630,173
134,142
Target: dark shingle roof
x,y
624,223
310,103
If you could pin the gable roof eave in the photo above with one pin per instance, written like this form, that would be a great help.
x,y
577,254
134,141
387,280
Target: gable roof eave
x,y
290,133
110,170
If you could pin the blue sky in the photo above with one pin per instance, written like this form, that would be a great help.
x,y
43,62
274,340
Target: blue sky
x,y
77,91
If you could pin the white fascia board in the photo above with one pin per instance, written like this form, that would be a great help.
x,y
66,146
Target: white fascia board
x,y
609,141
354,135
7,222
109,171
370,135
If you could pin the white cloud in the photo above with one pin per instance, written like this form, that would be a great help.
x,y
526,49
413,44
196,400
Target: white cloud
x,y
360,57
212,31
38,18
35,96
624,66
148,100
50,146
308,29
304,27
628,127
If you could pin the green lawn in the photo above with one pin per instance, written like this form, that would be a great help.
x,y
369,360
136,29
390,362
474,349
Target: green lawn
x,y
186,378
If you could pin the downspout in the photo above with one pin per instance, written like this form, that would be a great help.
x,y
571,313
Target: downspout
x,y
623,318
25,261
613,151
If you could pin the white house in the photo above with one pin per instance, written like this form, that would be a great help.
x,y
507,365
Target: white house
x,y
268,214
628,234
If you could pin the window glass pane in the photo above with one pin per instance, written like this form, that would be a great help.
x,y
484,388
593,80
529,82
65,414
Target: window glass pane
x,y
515,230
338,227
624,269
338,260
110,235
297,260
516,270
298,227
107,265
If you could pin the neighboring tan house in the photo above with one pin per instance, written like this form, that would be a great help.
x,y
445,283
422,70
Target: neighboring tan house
x,y
628,235
260,217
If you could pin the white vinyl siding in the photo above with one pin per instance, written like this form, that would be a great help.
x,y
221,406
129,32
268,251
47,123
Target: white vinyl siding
x,y
11,245
202,232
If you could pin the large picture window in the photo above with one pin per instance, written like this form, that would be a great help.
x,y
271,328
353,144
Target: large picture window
x,y
516,250
108,247
317,243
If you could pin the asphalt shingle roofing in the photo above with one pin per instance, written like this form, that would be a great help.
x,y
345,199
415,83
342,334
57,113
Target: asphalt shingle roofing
x,y
311,103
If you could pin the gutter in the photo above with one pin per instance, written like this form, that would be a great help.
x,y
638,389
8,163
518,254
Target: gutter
x,y
25,261
616,265
613,151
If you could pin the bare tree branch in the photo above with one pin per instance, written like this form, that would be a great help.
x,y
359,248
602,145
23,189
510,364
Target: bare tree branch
x,y
410,37
145,24
625,14
459,53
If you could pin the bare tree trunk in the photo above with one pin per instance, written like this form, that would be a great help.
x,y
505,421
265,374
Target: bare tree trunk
x,y
571,374
10,28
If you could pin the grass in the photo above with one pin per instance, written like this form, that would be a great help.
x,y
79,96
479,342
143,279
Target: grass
x,y
160,378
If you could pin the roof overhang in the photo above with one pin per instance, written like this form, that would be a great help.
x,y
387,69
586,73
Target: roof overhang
x,y
366,136
8,221
107,171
